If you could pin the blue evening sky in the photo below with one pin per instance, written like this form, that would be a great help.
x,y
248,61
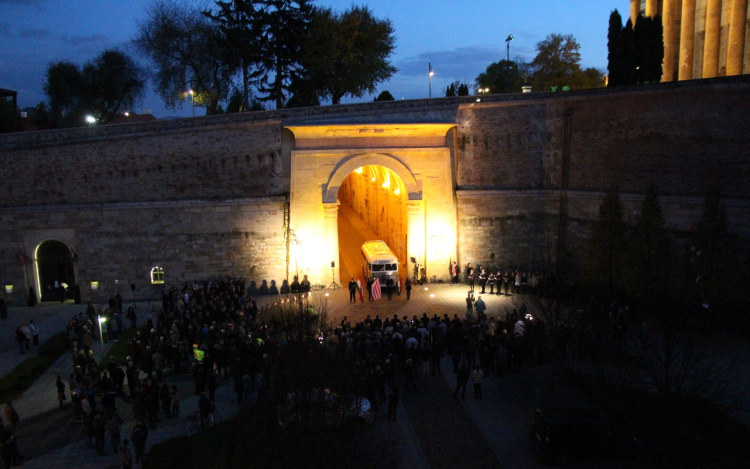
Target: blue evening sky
x,y
460,38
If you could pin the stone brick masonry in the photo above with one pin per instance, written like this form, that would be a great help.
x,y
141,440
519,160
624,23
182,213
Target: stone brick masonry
x,y
205,196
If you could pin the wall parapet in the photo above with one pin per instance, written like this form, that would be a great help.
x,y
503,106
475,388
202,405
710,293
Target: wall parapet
x,y
271,200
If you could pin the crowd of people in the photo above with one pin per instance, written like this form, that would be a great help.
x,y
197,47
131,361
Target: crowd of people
x,y
209,330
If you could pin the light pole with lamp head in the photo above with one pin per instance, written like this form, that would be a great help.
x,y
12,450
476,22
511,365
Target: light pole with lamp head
x,y
192,100
507,45
430,73
101,336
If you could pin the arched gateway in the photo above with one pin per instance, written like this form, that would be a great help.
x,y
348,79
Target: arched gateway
x,y
323,158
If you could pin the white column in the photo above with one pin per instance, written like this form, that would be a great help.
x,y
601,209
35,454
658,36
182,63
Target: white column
x,y
670,31
713,33
687,38
415,221
736,49
331,243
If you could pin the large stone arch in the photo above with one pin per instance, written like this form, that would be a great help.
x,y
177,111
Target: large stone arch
x,y
354,161
325,155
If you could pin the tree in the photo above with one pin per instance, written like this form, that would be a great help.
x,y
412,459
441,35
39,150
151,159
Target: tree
x,y
607,244
284,28
102,88
240,36
615,54
384,96
348,53
504,76
557,64
649,259
649,47
186,51
450,90
635,52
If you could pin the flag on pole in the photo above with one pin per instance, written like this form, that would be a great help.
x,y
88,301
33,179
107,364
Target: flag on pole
x,y
376,289
360,284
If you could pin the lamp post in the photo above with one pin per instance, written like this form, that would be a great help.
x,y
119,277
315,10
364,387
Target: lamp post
x,y
90,120
507,44
192,100
101,337
430,73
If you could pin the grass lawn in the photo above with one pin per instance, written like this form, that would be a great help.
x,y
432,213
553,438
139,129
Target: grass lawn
x,y
28,371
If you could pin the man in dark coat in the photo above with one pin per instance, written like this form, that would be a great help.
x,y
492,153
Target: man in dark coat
x,y
352,291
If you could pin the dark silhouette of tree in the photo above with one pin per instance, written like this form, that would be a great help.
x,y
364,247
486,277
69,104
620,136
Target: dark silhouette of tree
x,y
635,53
607,246
649,46
450,90
384,96
649,260
616,52
284,27
108,85
505,76
348,53
240,29
557,64
187,53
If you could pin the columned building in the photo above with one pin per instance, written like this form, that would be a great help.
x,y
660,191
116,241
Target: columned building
x,y
702,38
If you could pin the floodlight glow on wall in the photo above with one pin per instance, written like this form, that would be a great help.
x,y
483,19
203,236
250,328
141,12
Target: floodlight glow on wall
x,y
94,286
9,289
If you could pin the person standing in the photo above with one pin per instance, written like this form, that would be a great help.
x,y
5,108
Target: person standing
x,y
408,288
482,280
34,332
27,335
480,307
476,377
21,339
469,306
392,403
139,437
114,425
60,390
370,281
11,416
462,376
352,291
175,399
469,271
127,456
491,280
389,287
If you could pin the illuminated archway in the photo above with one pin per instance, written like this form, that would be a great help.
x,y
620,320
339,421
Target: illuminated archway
x,y
353,162
53,263
372,206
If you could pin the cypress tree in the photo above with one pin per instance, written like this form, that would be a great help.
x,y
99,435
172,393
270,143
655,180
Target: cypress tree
x,y
614,46
606,249
628,47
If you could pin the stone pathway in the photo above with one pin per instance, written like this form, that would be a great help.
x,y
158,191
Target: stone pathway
x,y
449,437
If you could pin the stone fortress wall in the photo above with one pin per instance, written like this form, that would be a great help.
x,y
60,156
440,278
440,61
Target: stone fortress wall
x,y
207,196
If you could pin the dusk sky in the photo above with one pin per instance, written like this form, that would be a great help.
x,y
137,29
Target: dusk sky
x,y
459,38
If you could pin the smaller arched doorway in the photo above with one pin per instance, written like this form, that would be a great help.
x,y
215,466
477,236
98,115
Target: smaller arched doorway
x,y
54,269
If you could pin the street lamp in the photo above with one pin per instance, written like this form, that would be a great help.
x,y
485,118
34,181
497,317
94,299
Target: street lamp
x,y
430,74
91,120
101,337
192,100
507,44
